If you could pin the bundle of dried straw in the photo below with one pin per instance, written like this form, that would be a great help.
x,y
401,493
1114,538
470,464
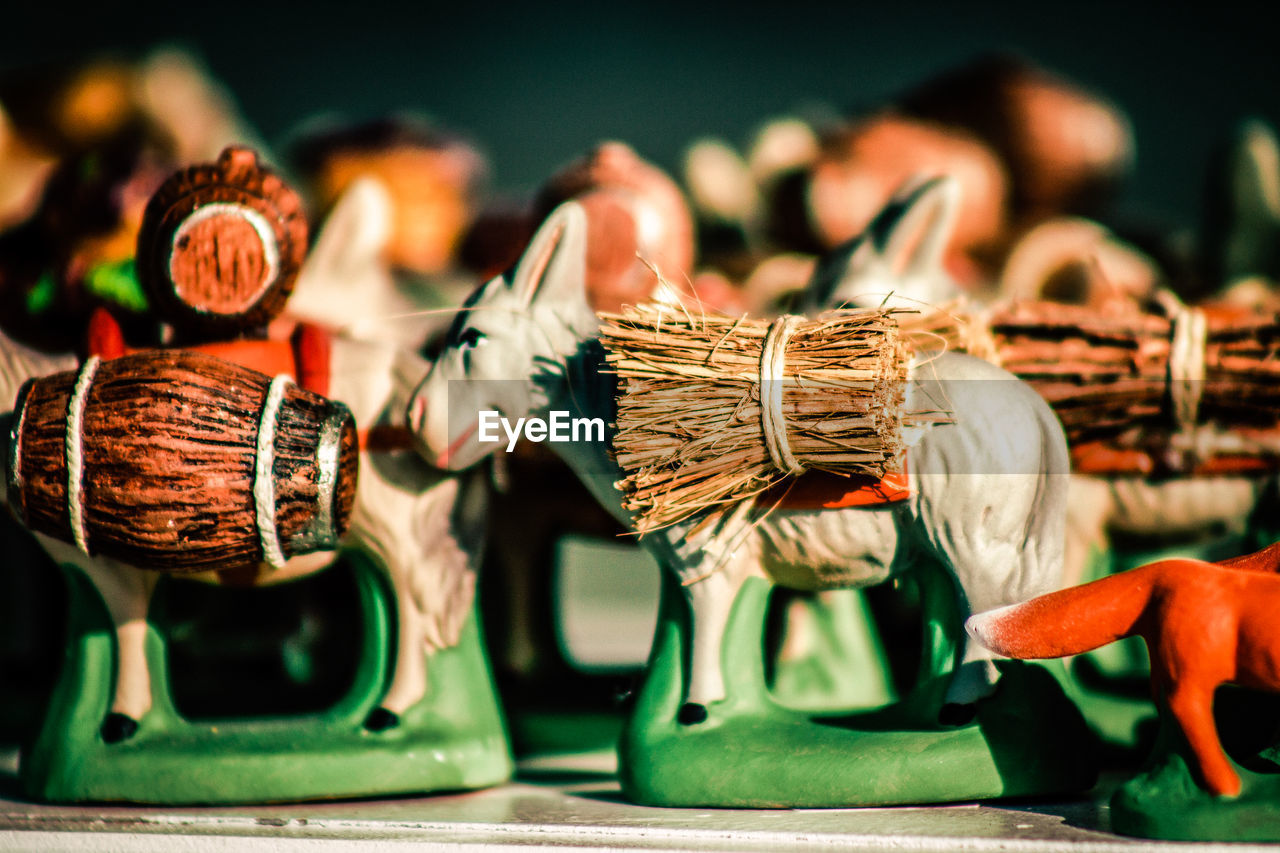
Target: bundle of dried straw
x,y
713,410
1111,373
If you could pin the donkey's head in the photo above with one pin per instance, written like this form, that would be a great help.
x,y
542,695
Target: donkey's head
x,y
898,259
507,350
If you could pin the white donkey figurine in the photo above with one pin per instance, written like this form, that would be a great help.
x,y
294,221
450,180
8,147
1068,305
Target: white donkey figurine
x,y
988,492
898,260
423,527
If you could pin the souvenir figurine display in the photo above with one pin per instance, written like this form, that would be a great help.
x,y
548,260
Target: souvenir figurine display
x,y
704,696
892,397
219,250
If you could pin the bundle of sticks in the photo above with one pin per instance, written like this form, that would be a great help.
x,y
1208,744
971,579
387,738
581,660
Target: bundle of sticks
x,y
1138,377
714,410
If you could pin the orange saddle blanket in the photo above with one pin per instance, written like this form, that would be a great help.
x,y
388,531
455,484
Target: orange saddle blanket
x,y
823,490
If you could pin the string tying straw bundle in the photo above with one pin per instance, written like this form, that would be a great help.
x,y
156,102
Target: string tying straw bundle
x,y
713,410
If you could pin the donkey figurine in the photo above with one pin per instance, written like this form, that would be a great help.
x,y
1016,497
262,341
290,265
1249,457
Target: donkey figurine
x,y
898,260
421,528
988,492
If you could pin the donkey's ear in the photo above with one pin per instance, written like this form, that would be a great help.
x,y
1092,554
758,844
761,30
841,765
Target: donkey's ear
x,y
1252,222
845,262
913,230
908,237
354,235
554,266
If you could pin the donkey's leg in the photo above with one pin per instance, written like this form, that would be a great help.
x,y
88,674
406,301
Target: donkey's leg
x,y
710,601
993,569
126,591
430,576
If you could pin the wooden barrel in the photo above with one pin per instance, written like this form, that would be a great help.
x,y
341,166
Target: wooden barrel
x,y
177,461
220,246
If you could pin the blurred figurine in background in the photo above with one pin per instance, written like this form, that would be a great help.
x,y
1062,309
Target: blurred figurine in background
x,y
1240,232
1023,146
402,194
82,148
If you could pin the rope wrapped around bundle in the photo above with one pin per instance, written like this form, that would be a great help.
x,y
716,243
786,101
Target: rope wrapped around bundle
x,y
1189,382
714,410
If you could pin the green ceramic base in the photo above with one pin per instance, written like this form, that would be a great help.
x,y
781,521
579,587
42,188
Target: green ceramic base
x,y
1166,801
753,753
829,656
453,739
550,732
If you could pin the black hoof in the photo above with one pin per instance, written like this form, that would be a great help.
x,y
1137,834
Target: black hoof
x,y
955,714
691,713
380,719
117,727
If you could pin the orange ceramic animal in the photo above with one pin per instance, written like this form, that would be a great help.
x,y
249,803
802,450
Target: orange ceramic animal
x,y
1205,624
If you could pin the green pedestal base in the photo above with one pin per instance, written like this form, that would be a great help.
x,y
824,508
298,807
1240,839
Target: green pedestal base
x,y
1166,800
753,753
829,654
453,739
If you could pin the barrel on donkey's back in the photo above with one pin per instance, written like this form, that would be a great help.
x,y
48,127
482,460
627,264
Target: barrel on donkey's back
x,y
177,461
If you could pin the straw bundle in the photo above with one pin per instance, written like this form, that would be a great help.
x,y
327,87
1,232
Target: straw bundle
x,y
713,410
953,326
1139,375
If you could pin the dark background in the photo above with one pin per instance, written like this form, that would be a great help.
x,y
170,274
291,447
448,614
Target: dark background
x,y
534,85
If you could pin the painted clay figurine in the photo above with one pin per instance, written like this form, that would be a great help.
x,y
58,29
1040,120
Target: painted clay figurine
x,y
1205,625
991,518
232,244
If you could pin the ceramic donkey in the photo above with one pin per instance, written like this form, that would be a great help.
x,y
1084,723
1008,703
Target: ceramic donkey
x,y
424,528
899,260
988,491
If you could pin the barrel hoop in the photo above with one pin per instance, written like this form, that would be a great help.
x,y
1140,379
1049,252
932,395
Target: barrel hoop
x,y
17,500
75,451
320,534
264,484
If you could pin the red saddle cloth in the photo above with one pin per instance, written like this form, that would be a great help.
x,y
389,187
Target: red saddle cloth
x,y
822,490
306,356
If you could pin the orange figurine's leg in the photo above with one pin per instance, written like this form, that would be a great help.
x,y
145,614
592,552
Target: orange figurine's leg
x,y
1192,706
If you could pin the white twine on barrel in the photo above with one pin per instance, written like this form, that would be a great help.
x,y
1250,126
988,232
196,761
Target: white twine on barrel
x,y
773,357
1190,336
264,484
74,443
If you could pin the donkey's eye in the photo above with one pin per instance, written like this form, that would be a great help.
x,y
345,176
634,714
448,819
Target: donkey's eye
x,y
470,337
